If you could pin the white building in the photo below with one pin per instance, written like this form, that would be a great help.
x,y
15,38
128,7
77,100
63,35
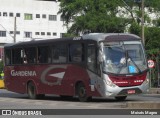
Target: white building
x,y
33,19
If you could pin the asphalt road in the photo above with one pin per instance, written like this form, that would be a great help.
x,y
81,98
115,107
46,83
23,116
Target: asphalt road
x,y
11,100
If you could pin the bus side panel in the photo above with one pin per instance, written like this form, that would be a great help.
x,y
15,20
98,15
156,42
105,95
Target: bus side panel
x,y
75,74
17,78
48,79
14,83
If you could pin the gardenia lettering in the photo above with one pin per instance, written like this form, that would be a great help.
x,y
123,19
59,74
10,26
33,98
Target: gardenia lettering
x,y
23,73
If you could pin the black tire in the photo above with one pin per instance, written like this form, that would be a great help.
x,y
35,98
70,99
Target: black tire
x,y
66,97
32,92
82,95
120,98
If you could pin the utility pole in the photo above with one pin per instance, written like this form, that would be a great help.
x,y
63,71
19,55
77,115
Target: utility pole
x,y
15,29
142,21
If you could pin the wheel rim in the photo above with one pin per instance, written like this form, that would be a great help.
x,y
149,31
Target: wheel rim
x,y
82,92
31,91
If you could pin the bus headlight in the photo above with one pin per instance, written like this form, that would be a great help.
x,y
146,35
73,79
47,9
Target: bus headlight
x,y
146,81
110,83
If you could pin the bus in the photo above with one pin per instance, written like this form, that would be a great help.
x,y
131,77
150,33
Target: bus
x,y
92,65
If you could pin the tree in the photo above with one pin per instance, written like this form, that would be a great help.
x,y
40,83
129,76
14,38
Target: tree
x,y
133,8
92,16
110,16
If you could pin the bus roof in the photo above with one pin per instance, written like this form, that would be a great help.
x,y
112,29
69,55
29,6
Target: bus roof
x,y
111,37
108,37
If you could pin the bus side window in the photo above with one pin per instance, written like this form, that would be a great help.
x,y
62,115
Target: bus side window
x,y
91,58
8,57
44,54
59,53
76,53
16,56
30,55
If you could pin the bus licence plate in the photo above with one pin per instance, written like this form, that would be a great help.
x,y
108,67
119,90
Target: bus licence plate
x,y
131,91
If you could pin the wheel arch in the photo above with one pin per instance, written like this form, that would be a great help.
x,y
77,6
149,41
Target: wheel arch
x,y
76,86
33,83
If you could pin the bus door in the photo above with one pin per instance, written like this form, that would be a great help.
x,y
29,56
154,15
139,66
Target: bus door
x,y
94,69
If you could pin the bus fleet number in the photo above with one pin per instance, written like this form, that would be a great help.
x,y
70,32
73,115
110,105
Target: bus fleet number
x,y
77,38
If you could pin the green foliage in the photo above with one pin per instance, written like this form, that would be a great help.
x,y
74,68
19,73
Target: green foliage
x,y
152,36
101,15
156,22
135,29
92,16
153,5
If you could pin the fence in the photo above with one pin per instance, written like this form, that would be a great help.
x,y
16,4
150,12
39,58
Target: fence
x,y
154,72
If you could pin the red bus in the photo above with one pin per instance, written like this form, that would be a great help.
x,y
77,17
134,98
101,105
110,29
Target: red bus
x,y
96,64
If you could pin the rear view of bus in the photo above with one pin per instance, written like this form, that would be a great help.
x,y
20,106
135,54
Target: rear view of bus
x,y
123,65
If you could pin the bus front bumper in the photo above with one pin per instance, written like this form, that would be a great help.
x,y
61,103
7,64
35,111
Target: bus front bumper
x,y
125,91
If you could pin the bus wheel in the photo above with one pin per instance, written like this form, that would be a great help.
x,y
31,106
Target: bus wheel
x,y
120,98
82,95
32,92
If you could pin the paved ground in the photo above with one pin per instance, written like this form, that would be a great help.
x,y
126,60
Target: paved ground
x,y
15,100
11,100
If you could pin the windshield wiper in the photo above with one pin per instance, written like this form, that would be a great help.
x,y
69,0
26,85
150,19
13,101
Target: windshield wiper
x,y
134,63
127,57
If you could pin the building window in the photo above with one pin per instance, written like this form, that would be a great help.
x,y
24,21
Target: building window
x,y
2,33
17,32
44,16
28,34
11,14
36,33
37,15
42,33
0,13
54,34
52,17
62,35
48,33
28,16
17,14
11,32
61,18
4,13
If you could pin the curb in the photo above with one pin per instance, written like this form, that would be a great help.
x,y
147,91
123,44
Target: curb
x,y
154,91
143,105
2,87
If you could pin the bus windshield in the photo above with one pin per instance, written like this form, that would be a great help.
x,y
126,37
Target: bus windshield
x,y
124,58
